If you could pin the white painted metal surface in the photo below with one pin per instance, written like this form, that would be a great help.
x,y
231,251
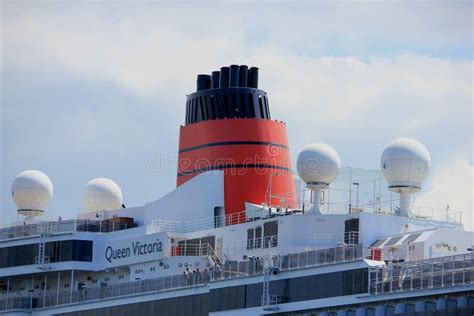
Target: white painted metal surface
x,y
32,190
101,194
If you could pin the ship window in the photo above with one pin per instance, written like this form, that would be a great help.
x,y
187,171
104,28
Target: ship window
x,y
57,251
250,237
351,231
196,246
258,237
270,234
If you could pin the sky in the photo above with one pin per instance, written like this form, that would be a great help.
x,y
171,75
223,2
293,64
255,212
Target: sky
x,y
98,89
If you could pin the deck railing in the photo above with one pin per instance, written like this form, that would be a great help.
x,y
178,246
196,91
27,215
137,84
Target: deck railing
x,y
440,272
425,274
231,269
213,222
63,226
422,274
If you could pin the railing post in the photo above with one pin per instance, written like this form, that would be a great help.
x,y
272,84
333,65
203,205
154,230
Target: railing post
x,y
464,269
442,271
71,286
390,288
383,285
432,273
376,280
8,292
422,274
452,270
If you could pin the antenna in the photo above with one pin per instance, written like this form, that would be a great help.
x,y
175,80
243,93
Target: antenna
x,y
102,194
405,164
31,191
318,165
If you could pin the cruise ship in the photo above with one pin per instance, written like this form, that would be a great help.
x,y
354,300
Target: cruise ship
x,y
245,232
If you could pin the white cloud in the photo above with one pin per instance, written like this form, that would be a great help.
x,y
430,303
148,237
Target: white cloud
x,y
452,184
316,64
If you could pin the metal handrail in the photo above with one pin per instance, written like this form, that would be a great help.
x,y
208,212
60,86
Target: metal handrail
x,y
62,226
422,274
461,266
230,269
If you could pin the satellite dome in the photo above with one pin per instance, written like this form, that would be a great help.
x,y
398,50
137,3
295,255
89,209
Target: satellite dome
x,y
101,194
31,192
405,163
318,165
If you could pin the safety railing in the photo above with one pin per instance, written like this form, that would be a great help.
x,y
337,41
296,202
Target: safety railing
x,y
185,249
231,269
254,265
446,215
217,221
415,275
64,226
291,240
423,274
104,292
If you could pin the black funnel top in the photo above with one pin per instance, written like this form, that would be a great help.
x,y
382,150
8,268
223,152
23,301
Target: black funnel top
x,y
231,92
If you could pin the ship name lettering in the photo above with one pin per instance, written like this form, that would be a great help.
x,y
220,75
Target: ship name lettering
x,y
138,248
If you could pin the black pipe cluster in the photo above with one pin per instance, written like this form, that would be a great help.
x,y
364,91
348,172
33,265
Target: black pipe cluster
x,y
231,92
234,76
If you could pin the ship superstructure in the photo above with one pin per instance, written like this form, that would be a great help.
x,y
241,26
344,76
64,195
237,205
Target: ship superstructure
x,y
241,234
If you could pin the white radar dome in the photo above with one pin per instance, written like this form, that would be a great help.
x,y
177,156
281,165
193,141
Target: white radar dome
x,y
101,194
318,165
405,163
31,191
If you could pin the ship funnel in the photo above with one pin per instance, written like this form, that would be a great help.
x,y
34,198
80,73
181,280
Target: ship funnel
x,y
228,128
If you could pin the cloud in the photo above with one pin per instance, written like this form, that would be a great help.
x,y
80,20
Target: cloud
x,y
452,184
150,48
110,81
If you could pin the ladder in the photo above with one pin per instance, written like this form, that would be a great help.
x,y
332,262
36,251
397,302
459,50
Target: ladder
x,y
270,268
44,229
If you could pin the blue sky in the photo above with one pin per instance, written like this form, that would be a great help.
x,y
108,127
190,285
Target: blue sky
x,y
97,89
